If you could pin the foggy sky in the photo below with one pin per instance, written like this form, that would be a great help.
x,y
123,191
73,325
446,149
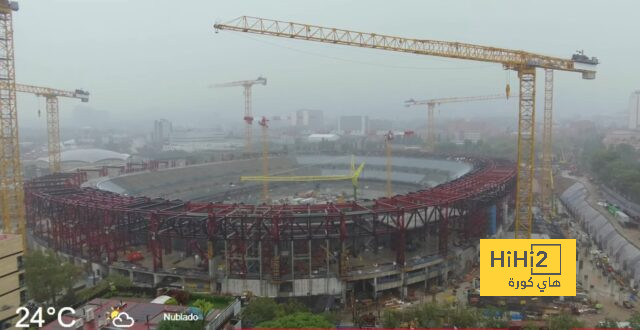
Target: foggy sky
x,y
147,59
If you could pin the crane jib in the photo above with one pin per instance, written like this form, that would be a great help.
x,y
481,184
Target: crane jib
x,y
511,59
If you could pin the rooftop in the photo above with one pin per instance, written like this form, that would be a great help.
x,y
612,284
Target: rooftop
x,y
91,155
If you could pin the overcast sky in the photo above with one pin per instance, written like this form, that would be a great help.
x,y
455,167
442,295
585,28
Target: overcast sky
x,y
145,59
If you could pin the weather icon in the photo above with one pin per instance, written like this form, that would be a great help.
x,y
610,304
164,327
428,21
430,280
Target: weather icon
x,y
123,320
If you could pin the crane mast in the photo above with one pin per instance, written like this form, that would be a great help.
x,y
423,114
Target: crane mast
x,y
387,151
11,181
264,124
546,187
431,105
525,63
248,112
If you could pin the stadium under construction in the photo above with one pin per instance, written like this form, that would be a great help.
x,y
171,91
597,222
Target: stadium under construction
x,y
198,227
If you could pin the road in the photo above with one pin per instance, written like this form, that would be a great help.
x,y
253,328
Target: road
x,y
594,195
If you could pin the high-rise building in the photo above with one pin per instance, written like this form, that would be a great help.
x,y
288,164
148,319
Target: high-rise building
x,y
12,290
162,131
634,111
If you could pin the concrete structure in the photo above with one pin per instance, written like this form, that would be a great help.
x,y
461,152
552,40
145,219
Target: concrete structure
x,y
416,240
310,119
12,291
353,125
634,111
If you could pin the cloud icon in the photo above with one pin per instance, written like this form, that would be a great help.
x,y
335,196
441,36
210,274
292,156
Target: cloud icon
x,y
123,320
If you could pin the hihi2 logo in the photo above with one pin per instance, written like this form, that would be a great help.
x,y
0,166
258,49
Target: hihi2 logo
x,y
527,267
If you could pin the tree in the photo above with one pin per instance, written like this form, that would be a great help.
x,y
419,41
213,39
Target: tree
x,y
493,318
564,322
618,168
430,315
465,317
391,319
528,325
292,306
46,276
634,321
608,324
203,305
267,309
118,280
180,325
260,310
298,320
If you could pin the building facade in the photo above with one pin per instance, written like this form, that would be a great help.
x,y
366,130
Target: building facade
x,y
162,131
12,291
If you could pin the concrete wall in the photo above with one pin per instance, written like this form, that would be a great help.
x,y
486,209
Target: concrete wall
x,y
302,287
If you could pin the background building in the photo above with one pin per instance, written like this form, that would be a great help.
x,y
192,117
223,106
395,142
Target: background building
x,y
161,131
353,125
12,290
310,119
634,111
616,137
200,139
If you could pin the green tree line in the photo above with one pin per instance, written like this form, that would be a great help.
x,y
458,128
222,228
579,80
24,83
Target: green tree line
x,y
618,167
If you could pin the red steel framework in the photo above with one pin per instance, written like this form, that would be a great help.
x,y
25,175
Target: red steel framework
x,y
98,225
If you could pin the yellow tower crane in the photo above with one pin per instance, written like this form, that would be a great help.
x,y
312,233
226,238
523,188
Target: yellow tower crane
x,y
264,124
525,63
387,151
53,122
11,181
248,114
431,106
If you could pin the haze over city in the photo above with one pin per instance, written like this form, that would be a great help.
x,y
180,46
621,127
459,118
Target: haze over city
x,y
219,165
146,59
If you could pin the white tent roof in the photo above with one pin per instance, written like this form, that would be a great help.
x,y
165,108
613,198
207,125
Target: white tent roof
x,y
93,155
